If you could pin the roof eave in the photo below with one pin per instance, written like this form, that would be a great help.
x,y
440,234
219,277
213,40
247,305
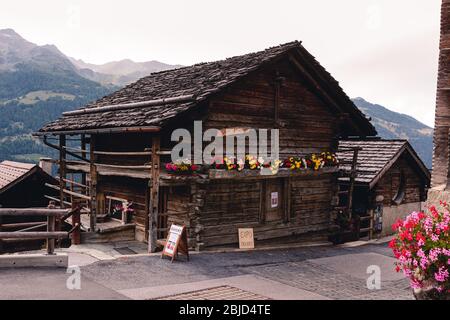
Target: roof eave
x,y
100,130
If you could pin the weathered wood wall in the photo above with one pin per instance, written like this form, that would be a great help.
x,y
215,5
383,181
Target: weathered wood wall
x,y
306,124
390,183
232,204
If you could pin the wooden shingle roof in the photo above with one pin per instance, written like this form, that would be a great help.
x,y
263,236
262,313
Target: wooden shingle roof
x,y
13,172
149,109
376,157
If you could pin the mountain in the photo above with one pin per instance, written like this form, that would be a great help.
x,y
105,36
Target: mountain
x,y
120,72
38,83
393,125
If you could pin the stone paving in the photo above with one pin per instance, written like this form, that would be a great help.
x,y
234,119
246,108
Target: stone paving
x,y
299,273
326,282
319,270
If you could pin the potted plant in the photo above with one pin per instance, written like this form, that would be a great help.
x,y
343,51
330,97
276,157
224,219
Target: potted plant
x,y
422,247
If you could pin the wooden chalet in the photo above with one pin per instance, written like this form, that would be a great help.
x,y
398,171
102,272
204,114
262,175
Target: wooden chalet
x,y
23,185
125,139
391,182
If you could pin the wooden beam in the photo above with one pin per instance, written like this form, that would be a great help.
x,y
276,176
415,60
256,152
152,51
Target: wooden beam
x,y
33,212
112,153
287,185
99,131
154,195
72,182
59,149
20,225
352,181
84,155
93,185
65,191
62,169
34,235
132,105
51,226
76,221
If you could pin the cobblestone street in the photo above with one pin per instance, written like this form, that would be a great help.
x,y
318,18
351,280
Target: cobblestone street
x,y
303,273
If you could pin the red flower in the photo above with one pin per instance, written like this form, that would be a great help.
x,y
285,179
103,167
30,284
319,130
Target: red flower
x,y
392,243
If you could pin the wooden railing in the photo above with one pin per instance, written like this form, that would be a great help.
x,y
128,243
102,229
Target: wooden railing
x,y
89,164
55,217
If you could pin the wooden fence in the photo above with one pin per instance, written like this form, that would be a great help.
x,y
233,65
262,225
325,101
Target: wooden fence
x,y
55,218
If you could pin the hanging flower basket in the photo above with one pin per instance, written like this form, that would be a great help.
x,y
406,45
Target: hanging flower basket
x,y
422,248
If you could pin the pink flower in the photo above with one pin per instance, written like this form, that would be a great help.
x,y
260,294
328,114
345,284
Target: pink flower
x,y
424,263
434,254
441,275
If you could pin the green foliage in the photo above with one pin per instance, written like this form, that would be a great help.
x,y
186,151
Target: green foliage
x,y
394,125
19,121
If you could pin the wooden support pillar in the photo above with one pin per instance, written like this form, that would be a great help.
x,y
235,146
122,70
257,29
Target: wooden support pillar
x,y
287,186
371,224
51,224
262,201
93,186
62,168
83,154
352,182
76,220
1,228
154,195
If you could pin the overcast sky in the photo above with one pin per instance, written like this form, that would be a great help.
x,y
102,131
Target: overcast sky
x,y
383,50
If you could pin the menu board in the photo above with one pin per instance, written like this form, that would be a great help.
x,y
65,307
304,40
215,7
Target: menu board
x,y
176,242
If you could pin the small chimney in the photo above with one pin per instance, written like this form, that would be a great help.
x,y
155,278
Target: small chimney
x,y
46,165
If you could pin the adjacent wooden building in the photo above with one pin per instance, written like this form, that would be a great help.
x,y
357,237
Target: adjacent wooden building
x,y
391,182
125,139
22,185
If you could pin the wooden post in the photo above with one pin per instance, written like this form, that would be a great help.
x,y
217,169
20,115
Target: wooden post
x,y
62,168
1,228
287,199
371,225
76,219
51,222
93,185
262,201
83,154
154,195
83,175
352,182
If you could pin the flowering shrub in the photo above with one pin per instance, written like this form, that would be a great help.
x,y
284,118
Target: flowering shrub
x,y
181,167
422,247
